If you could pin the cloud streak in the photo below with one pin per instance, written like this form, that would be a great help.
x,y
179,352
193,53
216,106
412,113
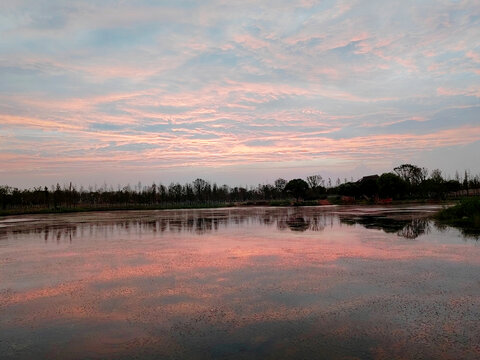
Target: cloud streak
x,y
211,84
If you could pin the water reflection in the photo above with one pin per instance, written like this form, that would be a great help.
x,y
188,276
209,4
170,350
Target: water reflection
x,y
179,222
108,225
468,233
239,284
298,223
409,229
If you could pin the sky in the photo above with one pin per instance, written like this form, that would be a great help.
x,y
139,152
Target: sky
x,y
236,92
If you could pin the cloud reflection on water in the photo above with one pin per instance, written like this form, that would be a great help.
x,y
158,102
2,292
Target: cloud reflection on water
x,y
202,222
234,283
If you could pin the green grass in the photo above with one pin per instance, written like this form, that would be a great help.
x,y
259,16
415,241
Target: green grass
x,y
448,217
464,214
193,205
63,210
279,203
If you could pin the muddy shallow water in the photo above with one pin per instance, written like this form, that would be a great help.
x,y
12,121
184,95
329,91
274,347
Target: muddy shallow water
x,y
316,282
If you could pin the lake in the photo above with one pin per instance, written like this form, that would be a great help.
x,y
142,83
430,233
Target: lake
x,y
331,282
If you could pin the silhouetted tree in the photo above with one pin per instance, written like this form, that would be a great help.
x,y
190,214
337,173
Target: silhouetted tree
x,y
348,189
369,185
391,186
314,181
465,181
436,176
297,187
316,186
280,185
412,174
4,190
409,180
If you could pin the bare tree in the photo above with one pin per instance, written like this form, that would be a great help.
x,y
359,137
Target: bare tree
x,y
314,181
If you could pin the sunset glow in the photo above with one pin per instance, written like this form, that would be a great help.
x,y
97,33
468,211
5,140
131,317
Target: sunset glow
x,y
121,92
136,283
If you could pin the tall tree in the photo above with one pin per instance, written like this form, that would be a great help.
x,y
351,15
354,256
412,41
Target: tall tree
x,y
412,174
297,187
280,184
314,181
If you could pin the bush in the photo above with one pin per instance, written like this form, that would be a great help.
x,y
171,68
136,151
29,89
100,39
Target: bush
x,y
466,213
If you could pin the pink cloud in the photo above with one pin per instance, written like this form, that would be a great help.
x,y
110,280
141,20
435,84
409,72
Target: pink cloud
x,y
470,91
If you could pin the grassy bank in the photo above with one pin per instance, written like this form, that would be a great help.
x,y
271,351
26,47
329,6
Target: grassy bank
x,y
64,210
331,200
165,206
465,214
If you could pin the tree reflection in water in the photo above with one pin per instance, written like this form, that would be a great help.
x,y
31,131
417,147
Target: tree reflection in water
x,y
470,233
298,224
64,229
415,228
301,222
407,228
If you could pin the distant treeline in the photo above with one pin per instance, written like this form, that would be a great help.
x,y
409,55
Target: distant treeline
x,y
410,182
404,182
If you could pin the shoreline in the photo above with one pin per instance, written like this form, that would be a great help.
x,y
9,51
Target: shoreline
x,y
180,206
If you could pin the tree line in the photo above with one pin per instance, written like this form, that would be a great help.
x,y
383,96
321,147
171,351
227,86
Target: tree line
x,y
404,182
408,181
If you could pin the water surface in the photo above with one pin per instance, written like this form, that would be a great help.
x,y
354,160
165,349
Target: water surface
x,y
242,283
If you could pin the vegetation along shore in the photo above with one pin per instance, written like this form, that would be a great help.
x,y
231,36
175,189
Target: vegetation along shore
x,y
406,183
465,214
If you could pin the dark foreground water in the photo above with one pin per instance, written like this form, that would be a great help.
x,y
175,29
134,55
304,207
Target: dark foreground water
x,y
306,283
